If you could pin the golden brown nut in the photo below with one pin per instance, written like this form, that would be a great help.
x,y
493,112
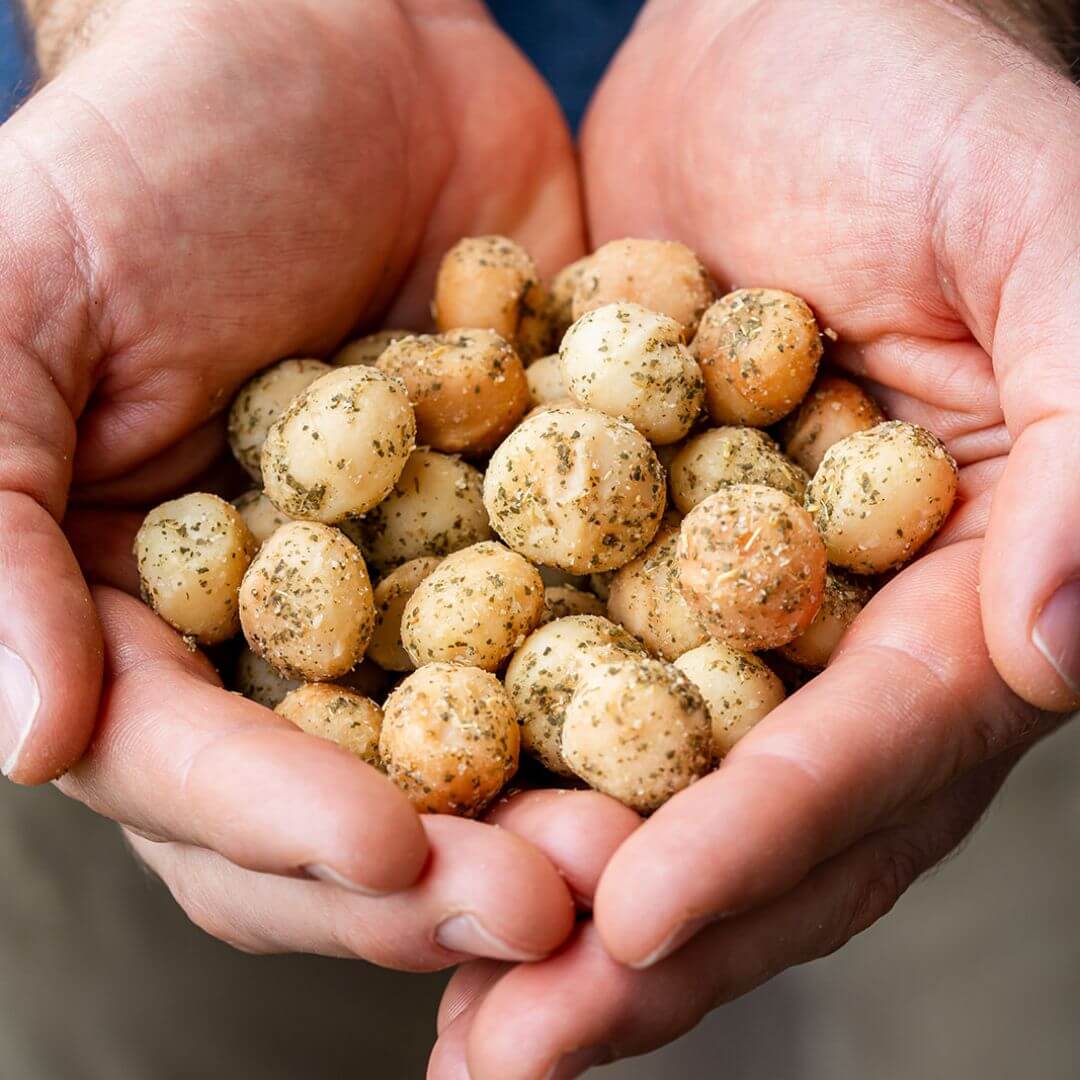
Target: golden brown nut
x,y
367,350
338,715
260,401
436,507
544,673
563,286
739,690
637,730
391,596
879,495
339,448
645,598
661,275
468,387
491,283
759,351
475,608
260,515
450,739
575,489
262,683
545,379
752,565
306,604
192,554
845,597
834,409
563,600
731,455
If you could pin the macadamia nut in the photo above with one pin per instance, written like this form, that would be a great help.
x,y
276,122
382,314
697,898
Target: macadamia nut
x,y
192,554
468,388
759,351
627,361
340,446
563,286
879,495
544,673
844,598
752,565
575,489
260,515
661,275
731,455
834,409
391,596
545,379
637,730
563,600
475,608
261,401
367,350
338,715
436,507
490,282
646,599
449,739
306,604
739,690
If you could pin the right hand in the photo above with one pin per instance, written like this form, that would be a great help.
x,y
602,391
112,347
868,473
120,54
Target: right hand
x,y
203,189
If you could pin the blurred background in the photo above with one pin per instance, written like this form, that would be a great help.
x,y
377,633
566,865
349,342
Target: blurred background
x,y
975,975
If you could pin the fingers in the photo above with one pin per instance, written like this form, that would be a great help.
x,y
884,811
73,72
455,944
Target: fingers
x,y
910,702
578,830
175,756
582,1008
466,987
1008,241
448,1059
1031,564
50,642
485,892
50,646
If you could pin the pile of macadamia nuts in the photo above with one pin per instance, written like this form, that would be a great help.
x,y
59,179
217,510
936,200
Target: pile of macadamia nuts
x,y
584,519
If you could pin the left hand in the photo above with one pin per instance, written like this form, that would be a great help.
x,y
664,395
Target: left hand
x,y
914,176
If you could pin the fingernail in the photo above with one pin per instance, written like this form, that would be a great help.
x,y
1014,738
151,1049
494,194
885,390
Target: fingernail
x,y
328,875
466,934
1057,634
20,700
576,1062
675,941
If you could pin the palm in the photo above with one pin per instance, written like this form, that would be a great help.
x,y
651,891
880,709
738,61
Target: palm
x,y
225,233
804,147
206,189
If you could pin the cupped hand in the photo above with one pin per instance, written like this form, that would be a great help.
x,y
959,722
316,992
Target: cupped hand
x,y
202,189
911,172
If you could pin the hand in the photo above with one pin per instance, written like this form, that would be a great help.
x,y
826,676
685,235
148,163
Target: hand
x,y
912,173
205,188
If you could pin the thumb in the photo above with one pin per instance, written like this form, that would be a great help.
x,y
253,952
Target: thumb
x,y
1030,574
50,641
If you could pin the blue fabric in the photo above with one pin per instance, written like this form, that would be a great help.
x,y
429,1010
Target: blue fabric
x,y
16,67
570,41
